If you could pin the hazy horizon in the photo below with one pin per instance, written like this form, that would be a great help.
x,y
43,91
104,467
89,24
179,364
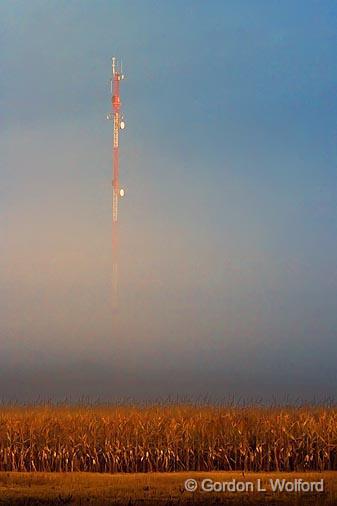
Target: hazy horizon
x,y
228,272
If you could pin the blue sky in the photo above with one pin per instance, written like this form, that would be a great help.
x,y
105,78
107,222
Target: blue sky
x,y
228,230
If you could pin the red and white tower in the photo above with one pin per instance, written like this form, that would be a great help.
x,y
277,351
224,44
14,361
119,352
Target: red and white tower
x,y
117,191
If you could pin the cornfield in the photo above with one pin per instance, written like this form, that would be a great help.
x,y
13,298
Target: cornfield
x,y
167,438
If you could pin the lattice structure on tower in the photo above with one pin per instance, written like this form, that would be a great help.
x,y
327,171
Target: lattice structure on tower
x,y
117,192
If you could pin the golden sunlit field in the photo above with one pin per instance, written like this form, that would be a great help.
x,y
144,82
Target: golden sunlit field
x,y
167,438
151,489
142,455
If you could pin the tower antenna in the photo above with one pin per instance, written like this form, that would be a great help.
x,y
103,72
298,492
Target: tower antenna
x,y
117,191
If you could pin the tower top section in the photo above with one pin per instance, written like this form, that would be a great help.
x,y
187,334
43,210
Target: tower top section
x,y
117,68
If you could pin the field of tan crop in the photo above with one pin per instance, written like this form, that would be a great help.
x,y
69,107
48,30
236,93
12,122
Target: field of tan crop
x,y
167,438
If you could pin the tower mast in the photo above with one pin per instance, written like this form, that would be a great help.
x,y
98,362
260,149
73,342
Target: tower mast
x,y
117,192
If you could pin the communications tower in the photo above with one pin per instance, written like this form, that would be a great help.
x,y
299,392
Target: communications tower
x,y
117,192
